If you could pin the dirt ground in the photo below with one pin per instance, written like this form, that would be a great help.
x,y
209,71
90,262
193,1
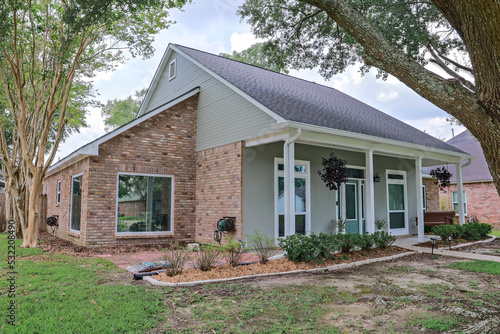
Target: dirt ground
x,y
489,248
416,294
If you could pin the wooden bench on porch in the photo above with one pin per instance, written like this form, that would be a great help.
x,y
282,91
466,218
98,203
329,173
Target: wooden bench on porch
x,y
434,218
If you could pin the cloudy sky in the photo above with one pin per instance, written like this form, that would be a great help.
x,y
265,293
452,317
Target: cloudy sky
x,y
214,27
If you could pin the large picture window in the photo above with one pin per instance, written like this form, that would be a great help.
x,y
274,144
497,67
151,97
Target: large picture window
x,y
144,203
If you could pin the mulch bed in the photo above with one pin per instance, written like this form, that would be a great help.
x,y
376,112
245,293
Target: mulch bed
x,y
53,244
446,243
274,266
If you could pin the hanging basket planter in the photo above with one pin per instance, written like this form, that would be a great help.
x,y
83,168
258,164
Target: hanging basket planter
x,y
442,177
334,171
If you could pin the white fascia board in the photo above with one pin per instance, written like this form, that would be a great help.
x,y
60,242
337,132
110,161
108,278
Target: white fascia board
x,y
92,148
247,97
155,80
267,139
361,141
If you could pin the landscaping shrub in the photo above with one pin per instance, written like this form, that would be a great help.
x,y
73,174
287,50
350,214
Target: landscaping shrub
x,y
261,244
313,247
338,225
366,241
348,242
208,257
469,231
233,251
177,256
382,239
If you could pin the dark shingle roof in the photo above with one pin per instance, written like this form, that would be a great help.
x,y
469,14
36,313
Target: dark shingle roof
x,y
306,102
478,169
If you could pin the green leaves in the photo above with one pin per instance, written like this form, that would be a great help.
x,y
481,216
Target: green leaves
x,y
119,112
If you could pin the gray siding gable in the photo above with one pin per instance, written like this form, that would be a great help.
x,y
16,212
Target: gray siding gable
x,y
224,116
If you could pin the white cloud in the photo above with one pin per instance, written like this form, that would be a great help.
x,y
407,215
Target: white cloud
x,y
438,127
243,41
386,97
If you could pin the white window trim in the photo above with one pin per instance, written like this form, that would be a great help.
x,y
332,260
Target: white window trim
x,y
58,192
424,200
453,202
399,231
170,75
171,206
71,204
305,175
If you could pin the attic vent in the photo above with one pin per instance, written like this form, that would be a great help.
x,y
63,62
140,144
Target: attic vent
x,y
172,69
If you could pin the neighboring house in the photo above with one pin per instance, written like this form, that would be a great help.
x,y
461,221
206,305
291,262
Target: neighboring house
x,y
480,195
218,138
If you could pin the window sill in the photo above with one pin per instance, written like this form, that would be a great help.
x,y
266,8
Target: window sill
x,y
74,234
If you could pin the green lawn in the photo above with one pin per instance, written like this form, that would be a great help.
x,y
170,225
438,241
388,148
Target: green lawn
x,y
71,295
496,233
478,266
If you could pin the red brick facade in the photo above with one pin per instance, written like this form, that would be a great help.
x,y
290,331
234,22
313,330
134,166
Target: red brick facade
x,y
219,186
431,195
483,201
165,144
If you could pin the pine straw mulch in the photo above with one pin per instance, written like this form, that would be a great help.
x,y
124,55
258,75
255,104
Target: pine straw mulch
x,y
53,244
274,266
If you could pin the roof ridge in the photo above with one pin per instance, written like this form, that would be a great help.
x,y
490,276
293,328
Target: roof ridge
x,y
268,70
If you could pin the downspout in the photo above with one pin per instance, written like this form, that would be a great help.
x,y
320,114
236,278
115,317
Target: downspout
x,y
289,179
467,163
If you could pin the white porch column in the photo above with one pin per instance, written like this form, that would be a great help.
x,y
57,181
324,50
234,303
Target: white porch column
x,y
289,183
291,188
460,190
370,194
420,200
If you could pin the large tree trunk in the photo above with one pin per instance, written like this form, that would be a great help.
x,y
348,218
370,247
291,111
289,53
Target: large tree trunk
x,y
30,237
489,137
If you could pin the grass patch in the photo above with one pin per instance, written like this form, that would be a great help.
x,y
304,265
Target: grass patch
x,y
71,294
478,266
496,233
434,322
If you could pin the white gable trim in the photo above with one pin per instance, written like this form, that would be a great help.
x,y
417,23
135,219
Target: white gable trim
x,y
92,148
238,91
154,82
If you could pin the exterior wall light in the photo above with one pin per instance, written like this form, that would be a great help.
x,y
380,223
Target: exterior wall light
x,y
376,178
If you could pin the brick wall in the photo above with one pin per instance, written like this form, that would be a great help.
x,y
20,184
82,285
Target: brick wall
x,y
219,182
64,207
483,201
165,144
431,194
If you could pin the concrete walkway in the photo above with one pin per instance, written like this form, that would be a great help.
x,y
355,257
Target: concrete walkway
x,y
409,243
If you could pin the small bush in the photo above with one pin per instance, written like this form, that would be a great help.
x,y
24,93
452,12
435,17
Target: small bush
x,y
177,256
382,239
208,257
444,231
469,231
338,225
348,241
233,251
262,245
366,241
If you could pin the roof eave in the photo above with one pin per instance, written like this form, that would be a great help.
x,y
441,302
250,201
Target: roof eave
x,y
455,156
92,148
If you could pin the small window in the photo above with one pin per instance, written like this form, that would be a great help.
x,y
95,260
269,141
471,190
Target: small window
x,y
172,69
395,177
58,198
298,168
455,202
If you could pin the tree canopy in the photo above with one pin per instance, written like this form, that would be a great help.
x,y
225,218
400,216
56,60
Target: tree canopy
x,y
398,37
49,52
118,112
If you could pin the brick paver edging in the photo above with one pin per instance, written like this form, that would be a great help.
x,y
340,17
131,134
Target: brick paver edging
x,y
153,281
475,242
